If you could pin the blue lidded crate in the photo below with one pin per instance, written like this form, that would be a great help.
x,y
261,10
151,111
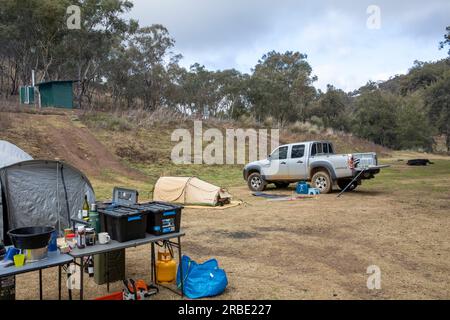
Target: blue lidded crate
x,y
162,218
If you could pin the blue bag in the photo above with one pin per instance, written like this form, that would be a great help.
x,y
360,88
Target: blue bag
x,y
202,280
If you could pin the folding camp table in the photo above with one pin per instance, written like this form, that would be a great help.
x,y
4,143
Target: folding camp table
x,y
54,259
114,246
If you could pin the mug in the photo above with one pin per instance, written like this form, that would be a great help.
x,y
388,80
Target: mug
x,y
104,238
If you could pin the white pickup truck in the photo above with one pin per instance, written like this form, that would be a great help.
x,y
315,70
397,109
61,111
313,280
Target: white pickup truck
x,y
313,161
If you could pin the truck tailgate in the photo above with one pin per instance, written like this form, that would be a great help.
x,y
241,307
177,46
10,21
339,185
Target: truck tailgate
x,y
365,160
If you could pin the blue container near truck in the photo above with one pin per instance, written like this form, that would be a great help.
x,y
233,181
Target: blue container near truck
x,y
302,187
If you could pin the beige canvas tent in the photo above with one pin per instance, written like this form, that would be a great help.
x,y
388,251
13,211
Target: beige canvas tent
x,y
189,191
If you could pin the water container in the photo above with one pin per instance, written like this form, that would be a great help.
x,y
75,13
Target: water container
x,y
94,221
302,187
52,246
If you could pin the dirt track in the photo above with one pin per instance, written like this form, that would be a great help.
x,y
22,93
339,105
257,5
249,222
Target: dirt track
x,y
311,249
56,136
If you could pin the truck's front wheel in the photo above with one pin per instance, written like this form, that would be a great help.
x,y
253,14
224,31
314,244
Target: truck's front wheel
x,y
322,181
256,182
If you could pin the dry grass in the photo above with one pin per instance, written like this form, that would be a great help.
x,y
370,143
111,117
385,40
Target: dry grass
x,y
311,248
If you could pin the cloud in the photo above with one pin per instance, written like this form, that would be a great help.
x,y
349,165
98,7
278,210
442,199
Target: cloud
x,y
225,34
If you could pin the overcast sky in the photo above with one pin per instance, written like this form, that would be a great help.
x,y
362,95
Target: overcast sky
x,y
342,50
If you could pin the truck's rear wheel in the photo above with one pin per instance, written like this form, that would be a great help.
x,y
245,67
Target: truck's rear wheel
x,y
321,180
344,183
256,182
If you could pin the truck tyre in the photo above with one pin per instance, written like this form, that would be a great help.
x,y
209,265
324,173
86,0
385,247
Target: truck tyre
x,y
322,181
281,185
344,183
256,182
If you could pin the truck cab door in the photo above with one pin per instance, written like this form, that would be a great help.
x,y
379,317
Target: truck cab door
x,y
278,166
297,163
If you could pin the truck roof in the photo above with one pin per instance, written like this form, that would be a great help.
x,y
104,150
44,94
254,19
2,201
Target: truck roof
x,y
305,142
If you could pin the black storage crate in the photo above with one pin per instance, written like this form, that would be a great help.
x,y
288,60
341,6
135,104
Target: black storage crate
x,y
162,218
123,223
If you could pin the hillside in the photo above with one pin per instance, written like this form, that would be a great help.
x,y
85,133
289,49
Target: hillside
x,y
132,150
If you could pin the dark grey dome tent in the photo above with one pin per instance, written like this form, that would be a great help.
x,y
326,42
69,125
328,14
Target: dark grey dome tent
x,y
41,193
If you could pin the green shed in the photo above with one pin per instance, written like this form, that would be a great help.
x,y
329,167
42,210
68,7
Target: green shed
x,y
58,94
26,94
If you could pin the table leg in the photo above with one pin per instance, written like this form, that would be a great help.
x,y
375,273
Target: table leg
x,y
59,282
69,287
107,270
40,284
181,267
81,277
153,263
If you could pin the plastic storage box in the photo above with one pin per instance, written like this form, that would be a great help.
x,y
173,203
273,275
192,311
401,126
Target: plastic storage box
x,y
162,218
123,223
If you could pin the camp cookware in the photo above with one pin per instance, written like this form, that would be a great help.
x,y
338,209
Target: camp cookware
x,y
33,255
19,260
104,238
31,237
90,237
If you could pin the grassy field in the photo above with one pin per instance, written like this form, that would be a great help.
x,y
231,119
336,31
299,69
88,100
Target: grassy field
x,y
432,179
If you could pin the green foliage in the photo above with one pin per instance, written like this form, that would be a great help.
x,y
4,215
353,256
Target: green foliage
x,y
437,98
393,121
375,117
281,86
446,41
334,108
413,129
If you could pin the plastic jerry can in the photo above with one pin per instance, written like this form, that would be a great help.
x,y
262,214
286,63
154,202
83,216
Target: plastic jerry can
x,y
166,268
